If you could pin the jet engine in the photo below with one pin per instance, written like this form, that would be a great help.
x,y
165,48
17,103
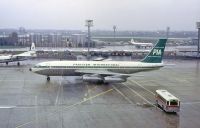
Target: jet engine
x,y
113,79
92,78
99,79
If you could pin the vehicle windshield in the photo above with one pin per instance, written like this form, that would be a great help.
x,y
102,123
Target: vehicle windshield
x,y
37,66
173,102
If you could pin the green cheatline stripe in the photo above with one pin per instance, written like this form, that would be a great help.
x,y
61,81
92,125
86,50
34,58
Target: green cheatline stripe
x,y
155,56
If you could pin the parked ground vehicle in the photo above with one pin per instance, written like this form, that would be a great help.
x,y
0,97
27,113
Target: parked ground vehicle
x,y
167,101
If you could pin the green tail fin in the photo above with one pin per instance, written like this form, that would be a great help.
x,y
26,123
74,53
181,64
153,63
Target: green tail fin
x,y
156,54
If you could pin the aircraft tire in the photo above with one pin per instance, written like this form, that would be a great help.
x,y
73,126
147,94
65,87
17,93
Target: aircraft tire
x,y
48,78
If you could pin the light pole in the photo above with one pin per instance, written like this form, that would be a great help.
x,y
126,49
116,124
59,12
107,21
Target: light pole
x,y
167,32
198,27
114,30
88,24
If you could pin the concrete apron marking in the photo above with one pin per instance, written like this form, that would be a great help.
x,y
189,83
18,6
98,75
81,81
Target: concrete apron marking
x,y
6,107
138,94
15,80
88,94
133,81
59,91
68,107
125,97
141,96
188,103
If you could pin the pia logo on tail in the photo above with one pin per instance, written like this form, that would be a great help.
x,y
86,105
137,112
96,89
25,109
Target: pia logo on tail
x,y
157,52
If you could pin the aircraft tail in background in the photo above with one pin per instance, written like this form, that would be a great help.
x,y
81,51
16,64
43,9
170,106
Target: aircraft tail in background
x,y
32,48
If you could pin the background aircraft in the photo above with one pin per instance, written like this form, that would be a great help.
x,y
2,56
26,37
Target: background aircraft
x,y
19,57
141,45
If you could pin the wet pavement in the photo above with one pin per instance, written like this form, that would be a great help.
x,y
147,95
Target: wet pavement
x,y
27,100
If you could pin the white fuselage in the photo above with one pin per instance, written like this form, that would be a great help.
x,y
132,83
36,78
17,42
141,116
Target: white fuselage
x,y
72,68
143,44
139,44
18,57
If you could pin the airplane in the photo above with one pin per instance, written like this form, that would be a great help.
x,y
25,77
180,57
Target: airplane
x,y
141,45
19,57
103,71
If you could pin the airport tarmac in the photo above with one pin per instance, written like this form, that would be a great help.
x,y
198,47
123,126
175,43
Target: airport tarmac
x,y
27,100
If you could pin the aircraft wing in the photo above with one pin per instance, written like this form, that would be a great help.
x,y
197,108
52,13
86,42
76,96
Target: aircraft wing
x,y
102,59
26,54
103,75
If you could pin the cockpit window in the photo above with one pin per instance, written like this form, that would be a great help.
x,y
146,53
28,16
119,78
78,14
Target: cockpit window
x,y
36,66
41,66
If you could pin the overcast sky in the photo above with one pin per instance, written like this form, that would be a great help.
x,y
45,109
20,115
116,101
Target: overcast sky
x,y
125,14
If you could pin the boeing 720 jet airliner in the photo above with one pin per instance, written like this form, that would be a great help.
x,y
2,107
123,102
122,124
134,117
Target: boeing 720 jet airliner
x,y
103,71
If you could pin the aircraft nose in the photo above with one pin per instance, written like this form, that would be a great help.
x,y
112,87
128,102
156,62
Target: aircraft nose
x,y
35,55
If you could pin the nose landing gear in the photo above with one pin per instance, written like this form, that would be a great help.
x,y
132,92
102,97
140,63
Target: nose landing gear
x,y
48,78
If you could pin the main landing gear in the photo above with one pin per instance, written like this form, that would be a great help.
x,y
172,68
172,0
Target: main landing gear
x,y
18,63
48,78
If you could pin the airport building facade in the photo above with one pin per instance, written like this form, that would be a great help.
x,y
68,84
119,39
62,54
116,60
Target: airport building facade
x,y
75,38
44,40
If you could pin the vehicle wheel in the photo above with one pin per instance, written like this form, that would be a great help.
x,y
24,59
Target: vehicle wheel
x,y
6,63
99,82
163,108
48,78
157,103
18,64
